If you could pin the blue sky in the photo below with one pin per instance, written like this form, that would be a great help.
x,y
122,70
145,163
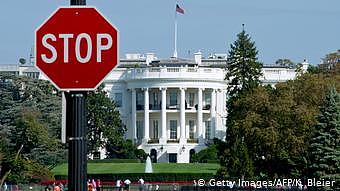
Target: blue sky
x,y
294,29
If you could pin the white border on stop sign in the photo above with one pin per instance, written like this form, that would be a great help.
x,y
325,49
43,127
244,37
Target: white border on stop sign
x,y
75,89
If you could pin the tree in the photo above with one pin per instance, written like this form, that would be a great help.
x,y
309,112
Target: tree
x,y
330,61
30,113
125,150
103,121
243,73
207,154
325,143
313,69
276,125
243,68
285,62
22,61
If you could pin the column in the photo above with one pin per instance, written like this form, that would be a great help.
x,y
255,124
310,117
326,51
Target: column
x,y
163,114
146,114
200,114
133,115
182,115
213,112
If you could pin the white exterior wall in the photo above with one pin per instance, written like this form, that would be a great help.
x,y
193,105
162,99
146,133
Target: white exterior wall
x,y
174,78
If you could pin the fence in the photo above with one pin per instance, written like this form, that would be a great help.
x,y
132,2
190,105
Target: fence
x,y
153,187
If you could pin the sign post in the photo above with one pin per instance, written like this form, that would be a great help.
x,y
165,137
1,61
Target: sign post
x,y
76,48
76,126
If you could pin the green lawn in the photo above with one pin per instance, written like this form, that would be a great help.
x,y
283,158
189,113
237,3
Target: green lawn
x,y
119,168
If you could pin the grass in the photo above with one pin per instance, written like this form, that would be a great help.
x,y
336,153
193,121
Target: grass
x,y
120,168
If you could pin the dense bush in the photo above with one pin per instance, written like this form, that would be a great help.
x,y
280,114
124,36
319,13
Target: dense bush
x,y
115,161
207,155
154,177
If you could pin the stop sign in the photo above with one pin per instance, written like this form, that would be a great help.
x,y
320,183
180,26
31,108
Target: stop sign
x,y
76,48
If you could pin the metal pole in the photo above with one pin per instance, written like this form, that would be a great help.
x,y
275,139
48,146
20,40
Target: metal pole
x,y
78,2
175,51
76,125
76,129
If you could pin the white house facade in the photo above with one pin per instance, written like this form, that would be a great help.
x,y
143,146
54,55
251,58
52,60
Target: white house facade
x,y
173,107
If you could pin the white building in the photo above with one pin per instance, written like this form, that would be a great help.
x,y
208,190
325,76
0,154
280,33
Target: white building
x,y
172,107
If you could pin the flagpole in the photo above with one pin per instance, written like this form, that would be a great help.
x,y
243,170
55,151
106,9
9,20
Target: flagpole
x,y
175,51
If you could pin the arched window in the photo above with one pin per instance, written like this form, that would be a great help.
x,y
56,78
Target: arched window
x,y
153,155
191,154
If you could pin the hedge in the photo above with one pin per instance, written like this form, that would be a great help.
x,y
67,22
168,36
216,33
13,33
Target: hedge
x,y
114,161
153,177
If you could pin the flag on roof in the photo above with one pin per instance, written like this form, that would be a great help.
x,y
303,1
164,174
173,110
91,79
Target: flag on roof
x,y
179,9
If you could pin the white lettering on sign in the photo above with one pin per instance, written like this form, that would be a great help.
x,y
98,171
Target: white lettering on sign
x,y
66,37
50,47
89,47
83,36
101,47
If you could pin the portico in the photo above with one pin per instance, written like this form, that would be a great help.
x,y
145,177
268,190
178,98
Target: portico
x,y
175,118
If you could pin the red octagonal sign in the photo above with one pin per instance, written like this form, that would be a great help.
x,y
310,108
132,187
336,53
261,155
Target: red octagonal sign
x,y
76,48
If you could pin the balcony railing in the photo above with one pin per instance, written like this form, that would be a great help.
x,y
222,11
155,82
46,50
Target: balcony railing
x,y
205,107
175,72
154,107
139,107
173,141
153,141
171,107
192,141
151,107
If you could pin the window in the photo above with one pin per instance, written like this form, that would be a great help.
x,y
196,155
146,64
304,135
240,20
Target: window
x,y
207,129
191,99
139,130
140,100
191,129
207,96
155,129
118,99
173,98
155,101
172,158
173,129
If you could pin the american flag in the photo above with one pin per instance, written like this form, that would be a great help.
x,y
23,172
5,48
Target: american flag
x,y
179,9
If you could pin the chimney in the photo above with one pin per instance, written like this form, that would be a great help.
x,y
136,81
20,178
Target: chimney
x,y
150,57
198,58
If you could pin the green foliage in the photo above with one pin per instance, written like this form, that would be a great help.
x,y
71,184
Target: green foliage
x,y
106,130
22,60
325,143
243,73
285,62
313,69
26,171
114,161
126,150
206,155
152,177
30,115
243,69
105,127
30,132
122,168
276,126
